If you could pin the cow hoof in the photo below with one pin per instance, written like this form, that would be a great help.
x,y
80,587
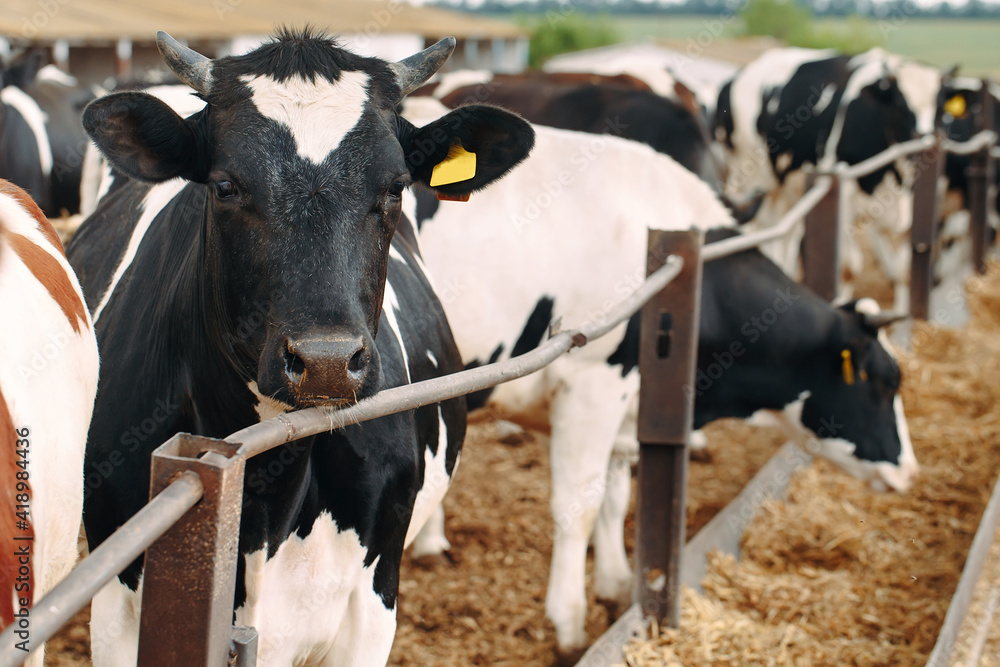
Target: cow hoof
x,y
700,455
509,433
613,607
567,657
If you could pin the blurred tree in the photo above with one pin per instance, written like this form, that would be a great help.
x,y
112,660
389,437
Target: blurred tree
x,y
557,33
786,20
793,24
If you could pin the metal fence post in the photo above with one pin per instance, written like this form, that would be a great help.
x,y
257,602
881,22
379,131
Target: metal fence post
x,y
243,649
667,361
189,577
929,166
821,245
980,178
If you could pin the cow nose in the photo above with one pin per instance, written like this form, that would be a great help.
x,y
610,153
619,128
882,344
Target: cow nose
x,y
327,368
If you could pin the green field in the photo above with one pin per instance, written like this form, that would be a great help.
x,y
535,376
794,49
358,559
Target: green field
x,y
975,44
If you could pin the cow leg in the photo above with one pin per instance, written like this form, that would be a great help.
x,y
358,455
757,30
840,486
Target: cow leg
x,y
431,540
894,257
365,634
114,625
613,576
697,446
586,415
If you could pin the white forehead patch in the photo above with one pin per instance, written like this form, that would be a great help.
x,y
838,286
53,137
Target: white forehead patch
x,y
318,113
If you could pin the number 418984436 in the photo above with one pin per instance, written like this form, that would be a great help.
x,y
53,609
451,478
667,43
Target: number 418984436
x,y
22,487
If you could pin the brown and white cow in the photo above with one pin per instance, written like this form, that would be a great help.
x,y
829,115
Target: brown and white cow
x,y
48,379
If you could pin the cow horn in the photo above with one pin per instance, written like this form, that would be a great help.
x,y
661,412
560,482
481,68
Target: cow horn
x,y
412,72
883,318
190,66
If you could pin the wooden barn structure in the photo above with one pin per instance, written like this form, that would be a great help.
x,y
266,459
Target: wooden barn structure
x,y
98,39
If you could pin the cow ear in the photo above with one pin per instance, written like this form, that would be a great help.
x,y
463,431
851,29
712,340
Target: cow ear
x,y
467,149
144,138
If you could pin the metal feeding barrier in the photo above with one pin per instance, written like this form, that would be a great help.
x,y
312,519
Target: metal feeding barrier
x,y
190,528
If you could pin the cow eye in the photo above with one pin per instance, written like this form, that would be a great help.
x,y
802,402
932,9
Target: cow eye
x,y
225,189
396,189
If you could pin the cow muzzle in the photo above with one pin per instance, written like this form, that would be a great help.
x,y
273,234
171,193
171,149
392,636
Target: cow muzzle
x,y
327,368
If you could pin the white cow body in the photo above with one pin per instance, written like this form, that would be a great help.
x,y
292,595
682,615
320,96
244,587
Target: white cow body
x,y
586,269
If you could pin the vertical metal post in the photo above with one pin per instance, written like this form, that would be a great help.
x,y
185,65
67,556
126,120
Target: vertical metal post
x,y
929,166
980,177
243,650
821,246
189,577
667,360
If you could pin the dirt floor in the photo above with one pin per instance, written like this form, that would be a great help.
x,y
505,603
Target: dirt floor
x,y
839,575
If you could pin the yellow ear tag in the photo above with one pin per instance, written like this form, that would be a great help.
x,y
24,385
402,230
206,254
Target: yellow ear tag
x,y
955,106
847,367
460,165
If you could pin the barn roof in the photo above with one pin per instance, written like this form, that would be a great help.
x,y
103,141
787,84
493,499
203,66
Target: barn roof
x,y
108,20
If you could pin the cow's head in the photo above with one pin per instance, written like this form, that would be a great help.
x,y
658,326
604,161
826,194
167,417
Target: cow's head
x,y
876,118
854,405
303,161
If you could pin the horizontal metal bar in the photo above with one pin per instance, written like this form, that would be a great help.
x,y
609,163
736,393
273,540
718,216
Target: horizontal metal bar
x,y
276,431
787,222
888,156
974,144
126,544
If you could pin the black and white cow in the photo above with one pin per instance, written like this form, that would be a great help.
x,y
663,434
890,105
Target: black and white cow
x,y
620,105
62,99
959,116
42,143
564,236
258,262
25,155
792,110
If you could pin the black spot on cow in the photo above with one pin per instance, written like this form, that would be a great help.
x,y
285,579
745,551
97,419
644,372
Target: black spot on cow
x,y
723,123
627,352
477,399
534,329
531,337
427,204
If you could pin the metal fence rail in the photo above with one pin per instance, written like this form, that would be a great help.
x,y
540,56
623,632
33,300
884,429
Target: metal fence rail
x,y
184,492
279,430
782,228
127,543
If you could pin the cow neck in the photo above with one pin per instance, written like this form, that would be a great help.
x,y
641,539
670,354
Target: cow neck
x,y
801,348
209,377
776,360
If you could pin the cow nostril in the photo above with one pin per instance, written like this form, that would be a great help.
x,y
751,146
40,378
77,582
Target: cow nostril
x,y
358,362
295,368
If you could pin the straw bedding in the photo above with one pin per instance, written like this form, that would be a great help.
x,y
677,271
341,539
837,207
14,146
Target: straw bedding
x,y
839,574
